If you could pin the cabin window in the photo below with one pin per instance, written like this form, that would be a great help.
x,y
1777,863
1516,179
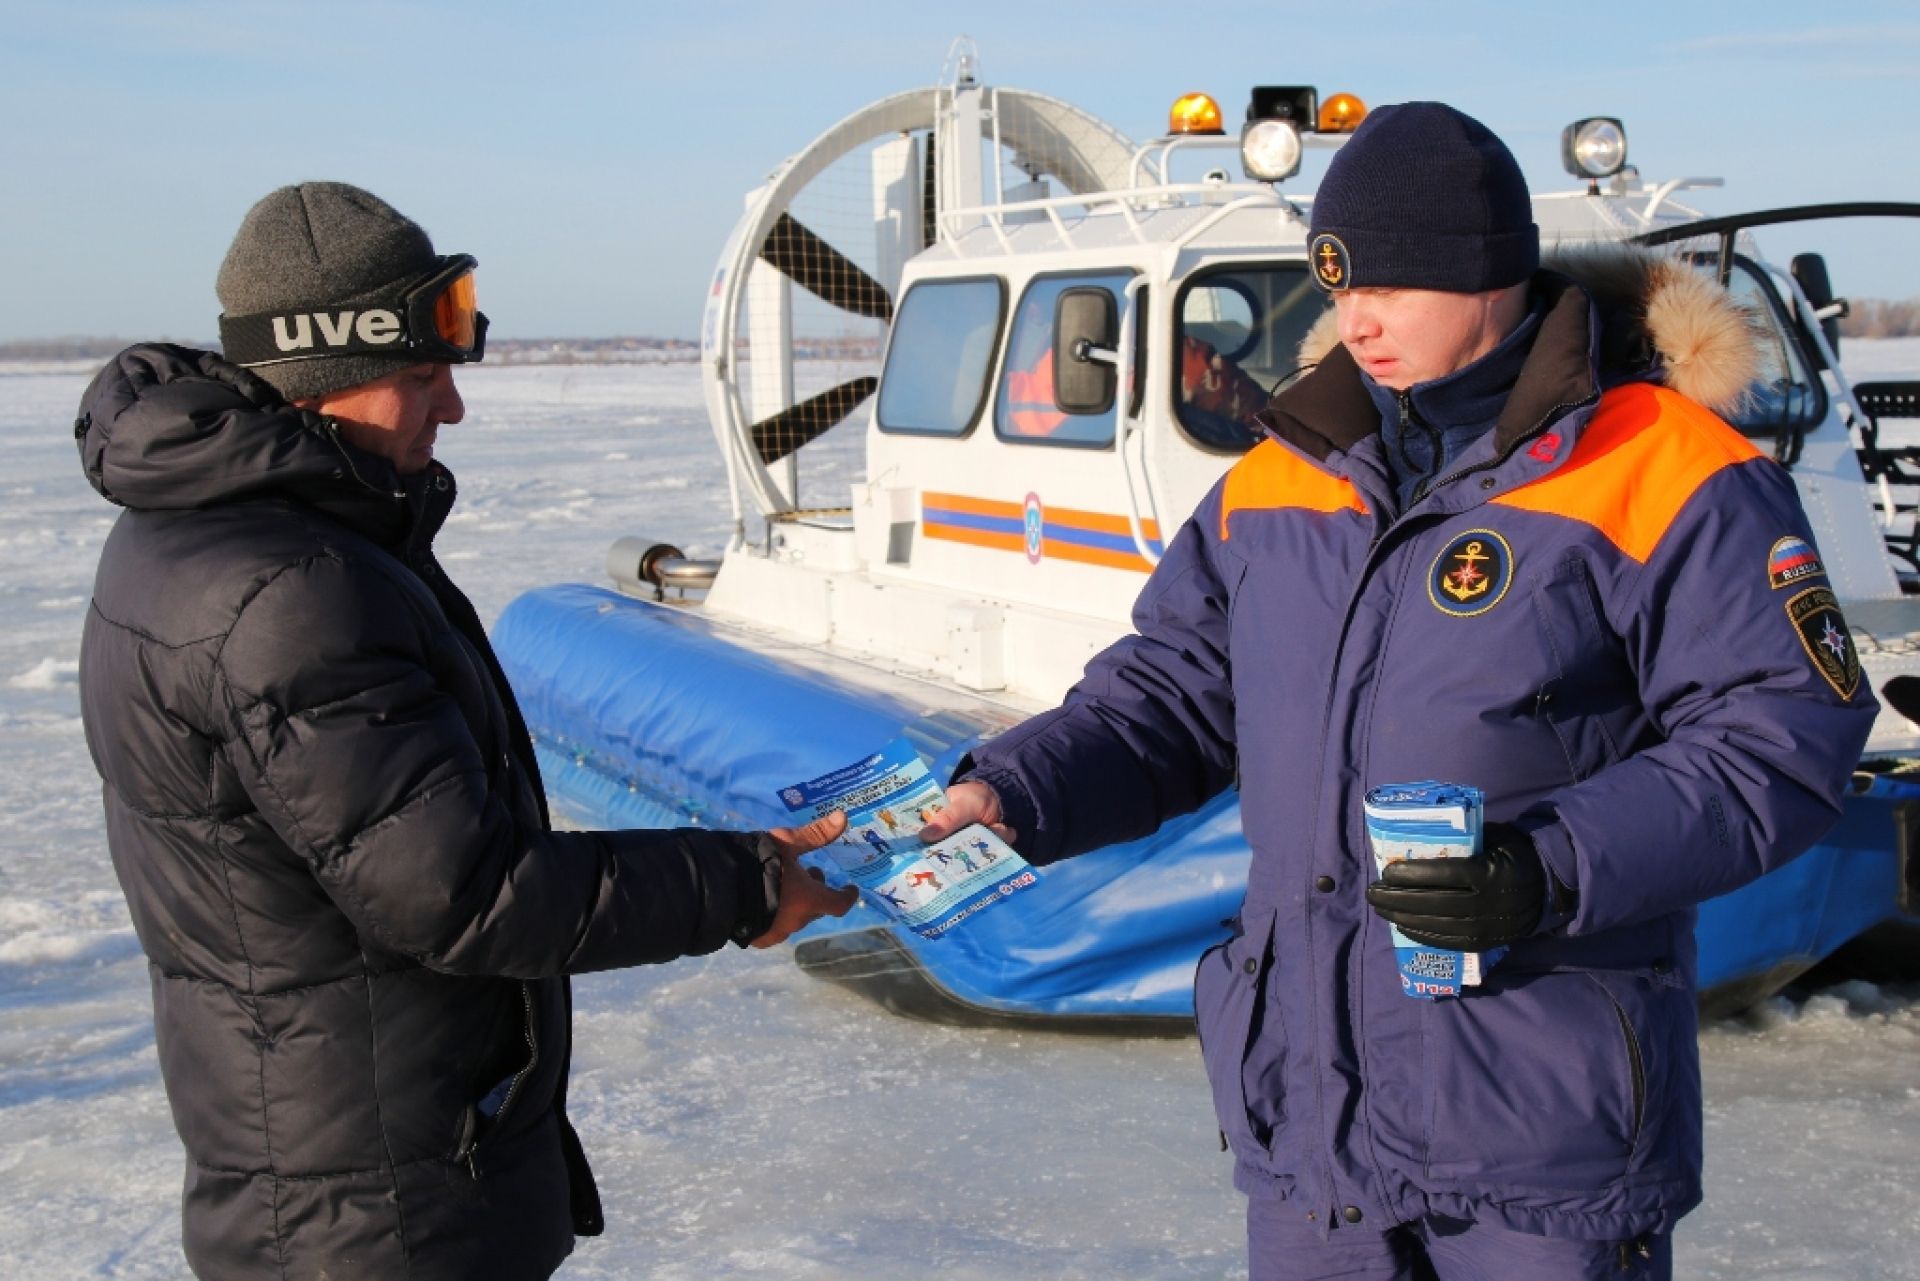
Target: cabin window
x,y
1237,338
1785,394
938,356
1025,411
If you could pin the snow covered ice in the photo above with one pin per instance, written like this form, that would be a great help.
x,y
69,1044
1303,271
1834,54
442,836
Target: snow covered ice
x,y
728,1102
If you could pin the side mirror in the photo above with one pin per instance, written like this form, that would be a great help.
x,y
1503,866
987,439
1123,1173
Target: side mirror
x,y
1810,273
1086,331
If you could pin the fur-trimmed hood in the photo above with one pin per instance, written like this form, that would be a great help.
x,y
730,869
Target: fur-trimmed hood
x,y
1664,320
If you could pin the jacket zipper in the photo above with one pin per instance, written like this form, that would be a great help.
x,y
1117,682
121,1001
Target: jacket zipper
x,y
346,456
472,1153
1410,419
1564,407
1340,645
1368,563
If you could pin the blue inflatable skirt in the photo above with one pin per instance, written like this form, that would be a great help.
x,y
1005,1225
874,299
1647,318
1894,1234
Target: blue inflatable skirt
x,y
646,715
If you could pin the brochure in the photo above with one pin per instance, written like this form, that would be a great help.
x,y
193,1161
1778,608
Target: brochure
x,y
1428,820
888,797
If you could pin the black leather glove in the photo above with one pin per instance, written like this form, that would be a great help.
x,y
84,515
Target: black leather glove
x,y
1468,904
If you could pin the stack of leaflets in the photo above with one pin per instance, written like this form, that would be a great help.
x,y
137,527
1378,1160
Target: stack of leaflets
x,y
1428,820
888,798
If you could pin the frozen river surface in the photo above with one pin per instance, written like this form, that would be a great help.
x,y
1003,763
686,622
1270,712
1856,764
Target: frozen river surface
x,y
739,1115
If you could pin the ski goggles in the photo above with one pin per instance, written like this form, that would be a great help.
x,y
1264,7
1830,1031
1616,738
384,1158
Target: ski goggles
x,y
436,319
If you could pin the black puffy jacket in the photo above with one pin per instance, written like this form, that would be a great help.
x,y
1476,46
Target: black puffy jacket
x,y
324,811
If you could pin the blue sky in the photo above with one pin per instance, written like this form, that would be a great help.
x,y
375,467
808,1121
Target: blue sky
x,y
593,156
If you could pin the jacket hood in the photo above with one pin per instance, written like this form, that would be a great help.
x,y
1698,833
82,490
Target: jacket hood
x,y
165,428
1663,321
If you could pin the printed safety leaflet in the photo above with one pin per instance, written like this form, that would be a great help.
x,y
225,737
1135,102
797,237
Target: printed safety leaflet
x,y
888,798
1428,820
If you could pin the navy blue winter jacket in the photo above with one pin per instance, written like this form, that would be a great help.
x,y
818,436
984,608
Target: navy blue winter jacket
x,y
1609,616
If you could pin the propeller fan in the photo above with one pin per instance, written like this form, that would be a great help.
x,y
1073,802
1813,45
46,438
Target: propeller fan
x,y
776,437
824,271
877,183
816,266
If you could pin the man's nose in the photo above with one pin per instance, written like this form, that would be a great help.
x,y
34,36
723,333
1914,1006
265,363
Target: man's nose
x,y
448,407
1356,319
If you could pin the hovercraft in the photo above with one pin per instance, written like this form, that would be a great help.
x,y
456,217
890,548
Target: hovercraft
x,y
979,518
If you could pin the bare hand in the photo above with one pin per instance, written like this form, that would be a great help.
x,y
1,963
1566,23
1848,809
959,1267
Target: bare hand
x,y
968,803
804,896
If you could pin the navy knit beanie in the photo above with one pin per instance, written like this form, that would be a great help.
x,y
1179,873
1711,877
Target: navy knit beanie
x,y
1423,197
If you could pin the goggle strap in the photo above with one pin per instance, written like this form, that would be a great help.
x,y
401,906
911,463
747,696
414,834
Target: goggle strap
x,y
274,338
268,338
405,328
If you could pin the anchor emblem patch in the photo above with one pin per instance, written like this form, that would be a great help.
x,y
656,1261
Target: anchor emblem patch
x,y
1332,265
1471,575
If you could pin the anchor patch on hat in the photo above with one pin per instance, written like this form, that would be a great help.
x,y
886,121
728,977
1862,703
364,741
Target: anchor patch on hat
x,y
1471,575
1823,631
1332,264
1793,560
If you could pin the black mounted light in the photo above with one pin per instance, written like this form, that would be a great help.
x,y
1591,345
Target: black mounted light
x,y
1299,104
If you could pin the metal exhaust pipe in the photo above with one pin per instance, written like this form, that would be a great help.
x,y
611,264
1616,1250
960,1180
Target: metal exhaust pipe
x,y
643,568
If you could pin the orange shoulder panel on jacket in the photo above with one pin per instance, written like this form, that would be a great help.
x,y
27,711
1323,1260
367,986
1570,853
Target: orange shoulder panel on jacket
x,y
1271,477
1642,455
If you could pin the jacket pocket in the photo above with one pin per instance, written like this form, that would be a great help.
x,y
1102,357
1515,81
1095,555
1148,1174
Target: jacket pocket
x,y
487,1116
1591,688
1241,1041
1636,1068
1535,1080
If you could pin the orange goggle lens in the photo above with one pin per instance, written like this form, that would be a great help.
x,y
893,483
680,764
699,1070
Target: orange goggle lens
x,y
454,311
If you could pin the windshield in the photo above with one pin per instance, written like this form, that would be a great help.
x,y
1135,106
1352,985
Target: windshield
x,y
1238,332
937,361
1784,392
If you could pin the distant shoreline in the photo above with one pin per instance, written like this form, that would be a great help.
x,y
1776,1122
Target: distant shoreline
x,y
1866,318
510,350
502,351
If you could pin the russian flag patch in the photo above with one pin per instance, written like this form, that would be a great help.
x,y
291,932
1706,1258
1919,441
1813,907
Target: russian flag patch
x,y
1791,561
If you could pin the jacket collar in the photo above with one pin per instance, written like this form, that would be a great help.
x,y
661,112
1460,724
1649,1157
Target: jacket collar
x,y
166,428
1326,412
1472,396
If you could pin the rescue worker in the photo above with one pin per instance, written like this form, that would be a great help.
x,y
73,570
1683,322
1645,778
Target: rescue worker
x,y
1496,537
1217,397
321,800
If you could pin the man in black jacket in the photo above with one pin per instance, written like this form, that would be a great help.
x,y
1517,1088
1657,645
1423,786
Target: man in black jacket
x,y
321,800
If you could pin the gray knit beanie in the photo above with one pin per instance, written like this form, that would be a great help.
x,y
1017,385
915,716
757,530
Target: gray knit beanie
x,y
315,245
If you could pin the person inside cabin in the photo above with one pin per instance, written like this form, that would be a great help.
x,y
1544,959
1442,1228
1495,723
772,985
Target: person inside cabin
x,y
1217,394
1030,407
322,802
1218,398
1497,535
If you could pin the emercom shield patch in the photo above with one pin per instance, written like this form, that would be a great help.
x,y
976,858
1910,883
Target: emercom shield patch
x,y
1823,630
